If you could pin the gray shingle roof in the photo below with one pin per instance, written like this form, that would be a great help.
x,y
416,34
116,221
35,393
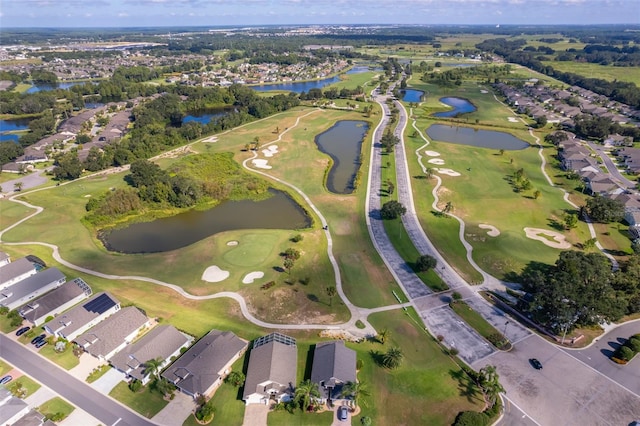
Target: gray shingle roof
x,y
103,338
50,302
199,368
333,365
78,317
19,292
273,363
161,342
14,269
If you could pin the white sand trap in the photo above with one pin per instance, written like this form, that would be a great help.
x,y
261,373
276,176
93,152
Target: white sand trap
x,y
432,153
493,231
87,196
438,161
512,119
232,243
211,139
448,172
559,242
248,279
484,91
261,164
213,274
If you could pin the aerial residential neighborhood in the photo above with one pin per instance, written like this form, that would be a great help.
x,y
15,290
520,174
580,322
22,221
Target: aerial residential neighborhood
x,y
355,213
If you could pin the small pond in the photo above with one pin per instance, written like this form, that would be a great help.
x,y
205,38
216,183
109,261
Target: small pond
x,y
12,126
206,115
279,211
460,106
474,137
412,95
343,142
297,86
45,87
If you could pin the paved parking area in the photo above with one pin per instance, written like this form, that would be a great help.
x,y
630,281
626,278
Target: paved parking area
x,y
497,318
565,392
457,334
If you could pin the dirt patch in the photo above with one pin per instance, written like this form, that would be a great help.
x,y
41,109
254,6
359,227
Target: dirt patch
x,y
559,240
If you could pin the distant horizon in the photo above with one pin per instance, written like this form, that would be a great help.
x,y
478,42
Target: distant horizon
x,y
214,13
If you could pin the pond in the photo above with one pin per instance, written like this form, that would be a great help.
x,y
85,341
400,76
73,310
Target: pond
x,y
474,137
460,106
412,95
297,86
279,211
45,87
206,115
343,143
12,126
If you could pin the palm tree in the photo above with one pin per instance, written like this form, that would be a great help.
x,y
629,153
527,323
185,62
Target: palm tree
x,y
331,291
304,393
17,186
489,383
536,194
355,390
382,336
392,358
428,173
153,367
448,207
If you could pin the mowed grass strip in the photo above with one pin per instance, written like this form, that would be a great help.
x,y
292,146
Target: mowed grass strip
x,y
473,318
146,402
57,408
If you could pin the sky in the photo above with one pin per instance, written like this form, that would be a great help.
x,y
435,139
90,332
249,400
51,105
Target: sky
x,y
138,13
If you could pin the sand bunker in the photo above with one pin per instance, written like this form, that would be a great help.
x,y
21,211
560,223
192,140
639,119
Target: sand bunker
x,y
261,164
484,91
448,172
232,243
438,161
512,119
213,274
248,279
493,231
559,242
432,153
211,139
270,151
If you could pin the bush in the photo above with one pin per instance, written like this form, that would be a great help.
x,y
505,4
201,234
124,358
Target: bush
x,y
456,296
425,263
365,421
296,238
634,344
359,364
470,418
135,385
625,353
268,285
205,412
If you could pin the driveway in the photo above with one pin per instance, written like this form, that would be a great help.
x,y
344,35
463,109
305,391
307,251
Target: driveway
x,y
176,411
597,356
87,363
255,415
108,381
565,391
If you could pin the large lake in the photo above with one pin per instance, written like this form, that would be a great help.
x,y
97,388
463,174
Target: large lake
x,y
475,137
343,143
297,86
45,87
460,106
279,211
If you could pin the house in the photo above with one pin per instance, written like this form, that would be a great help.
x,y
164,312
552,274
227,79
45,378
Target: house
x,y
12,409
271,374
5,259
55,302
601,184
162,342
28,289
13,272
109,336
333,365
201,369
629,156
81,318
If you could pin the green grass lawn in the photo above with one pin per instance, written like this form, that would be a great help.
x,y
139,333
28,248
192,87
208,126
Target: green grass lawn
x,y
4,368
66,359
23,387
228,402
56,408
473,318
98,372
604,72
145,402
298,418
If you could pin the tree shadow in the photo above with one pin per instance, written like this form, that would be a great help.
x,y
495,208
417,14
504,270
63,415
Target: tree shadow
x,y
377,357
419,177
466,386
278,268
313,297
309,362
558,226
607,352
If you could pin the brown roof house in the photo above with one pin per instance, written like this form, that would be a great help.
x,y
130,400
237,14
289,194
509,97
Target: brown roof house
x,y
111,335
201,369
271,374
333,365
163,342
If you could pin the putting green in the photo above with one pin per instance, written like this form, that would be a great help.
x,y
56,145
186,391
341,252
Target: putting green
x,y
252,249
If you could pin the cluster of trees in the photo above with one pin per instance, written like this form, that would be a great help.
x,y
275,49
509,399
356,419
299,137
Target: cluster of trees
x,y
596,127
331,93
603,209
389,141
455,76
626,56
580,289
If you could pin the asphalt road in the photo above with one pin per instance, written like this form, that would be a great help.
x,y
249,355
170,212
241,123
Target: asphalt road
x,y
80,394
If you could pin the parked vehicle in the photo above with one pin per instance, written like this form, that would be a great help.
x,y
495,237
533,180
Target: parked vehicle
x,y
535,364
38,338
343,413
22,330
41,343
5,380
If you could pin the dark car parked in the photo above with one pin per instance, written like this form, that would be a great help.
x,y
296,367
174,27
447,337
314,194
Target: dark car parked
x,y
41,343
38,338
535,364
22,330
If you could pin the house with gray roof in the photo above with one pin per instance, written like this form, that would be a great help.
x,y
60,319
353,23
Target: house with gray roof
x,y
12,409
28,289
77,320
109,336
333,365
271,374
55,302
16,271
201,369
5,259
162,342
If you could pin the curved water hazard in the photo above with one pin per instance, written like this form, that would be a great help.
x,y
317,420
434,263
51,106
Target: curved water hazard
x,y
412,95
279,211
460,106
474,137
343,143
